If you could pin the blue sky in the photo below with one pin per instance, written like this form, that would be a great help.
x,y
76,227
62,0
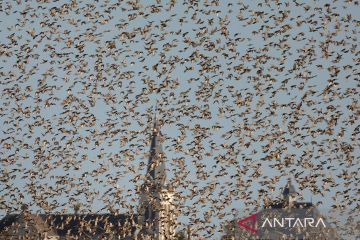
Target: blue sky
x,y
228,78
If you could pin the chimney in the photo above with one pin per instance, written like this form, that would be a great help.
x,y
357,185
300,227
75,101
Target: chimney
x,y
76,208
24,208
188,232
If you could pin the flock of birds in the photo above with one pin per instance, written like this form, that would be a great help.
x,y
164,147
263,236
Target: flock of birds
x,y
248,94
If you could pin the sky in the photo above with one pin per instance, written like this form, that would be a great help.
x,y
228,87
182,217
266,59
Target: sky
x,y
250,93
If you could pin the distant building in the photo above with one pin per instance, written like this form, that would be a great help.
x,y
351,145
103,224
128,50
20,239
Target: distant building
x,y
155,219
286,207
26,226
66,226
156,208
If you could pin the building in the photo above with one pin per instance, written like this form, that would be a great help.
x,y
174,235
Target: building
x,y
272,222
66,226
155,219
156,208
26,226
